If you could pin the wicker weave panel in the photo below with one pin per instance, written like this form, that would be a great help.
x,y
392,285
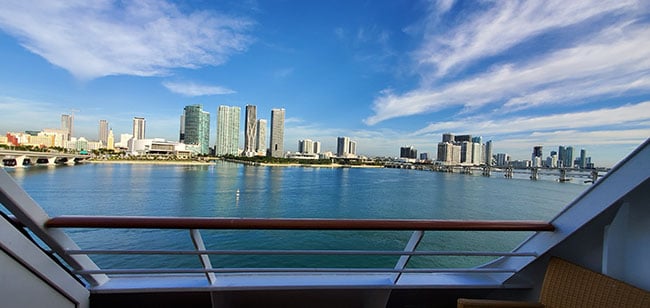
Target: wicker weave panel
x,y
568,285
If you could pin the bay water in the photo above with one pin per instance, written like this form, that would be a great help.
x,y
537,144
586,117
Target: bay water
x,y
225,189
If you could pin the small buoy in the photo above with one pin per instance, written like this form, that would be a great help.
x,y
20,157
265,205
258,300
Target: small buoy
x,y
237,193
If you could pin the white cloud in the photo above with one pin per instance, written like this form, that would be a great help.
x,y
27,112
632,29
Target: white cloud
x,y
504,25
627,115
614,62
193,89
92,39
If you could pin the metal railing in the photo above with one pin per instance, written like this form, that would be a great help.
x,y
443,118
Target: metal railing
x,y
50,231
194,224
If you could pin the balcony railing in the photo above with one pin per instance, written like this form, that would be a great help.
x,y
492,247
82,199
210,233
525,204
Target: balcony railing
x,y
50,231
195,224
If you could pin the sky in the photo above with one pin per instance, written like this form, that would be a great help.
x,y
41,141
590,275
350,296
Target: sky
x,y
386,74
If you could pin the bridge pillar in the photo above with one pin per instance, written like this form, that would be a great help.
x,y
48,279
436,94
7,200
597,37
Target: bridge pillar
x,y
20,160
508,172
487,171
70,161
51,160
594,176
563,176
534,173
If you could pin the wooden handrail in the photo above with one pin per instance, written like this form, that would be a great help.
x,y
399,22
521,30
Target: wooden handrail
x,y
150,222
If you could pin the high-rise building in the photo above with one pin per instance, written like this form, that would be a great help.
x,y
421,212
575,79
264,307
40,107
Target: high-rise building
x,y
569,157
110,140
477,158
536,157
353,147
228,130
488,153
67,123
408,152
342,146
196,128
502,159
250,130
103,132
306,146
277,133
317,146
181,134
561,156
448,138
138,128
461,138
583,158
260,137
444,152
466,149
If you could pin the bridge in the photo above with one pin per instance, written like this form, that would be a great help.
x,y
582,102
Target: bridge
x,y
12,158
561,174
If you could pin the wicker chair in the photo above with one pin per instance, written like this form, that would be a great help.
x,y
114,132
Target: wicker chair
x,y
568,285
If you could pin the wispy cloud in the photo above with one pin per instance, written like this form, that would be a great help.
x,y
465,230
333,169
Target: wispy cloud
x,y
623,116
504,25
193,89
92,39
610,62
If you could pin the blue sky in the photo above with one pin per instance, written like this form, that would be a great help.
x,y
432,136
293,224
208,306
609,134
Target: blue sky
x,y
385,73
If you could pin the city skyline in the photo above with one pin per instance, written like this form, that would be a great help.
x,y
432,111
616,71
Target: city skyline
x,y
384,73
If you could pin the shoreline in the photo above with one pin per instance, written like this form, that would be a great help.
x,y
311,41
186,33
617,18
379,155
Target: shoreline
x,y
203,163
149,162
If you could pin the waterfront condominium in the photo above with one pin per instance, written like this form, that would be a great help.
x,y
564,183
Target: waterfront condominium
x,y
228,130
260,137
195,129
345,148
277,133
138,128
103,132
67,122
250,130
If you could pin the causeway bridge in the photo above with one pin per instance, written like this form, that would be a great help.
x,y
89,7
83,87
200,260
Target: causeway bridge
x,y
534,173
11,158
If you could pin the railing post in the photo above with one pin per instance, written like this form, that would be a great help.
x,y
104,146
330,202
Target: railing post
x,y
412,244
205,259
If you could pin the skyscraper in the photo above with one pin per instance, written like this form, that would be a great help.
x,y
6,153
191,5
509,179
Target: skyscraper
x,y
342,146
110,140
196,128
561,156
488,153
228,130
583,158
408,152
536,157
448,137
569,157
260,137
103,132
67,123
181,134
277,132
306,146
250,130
138,128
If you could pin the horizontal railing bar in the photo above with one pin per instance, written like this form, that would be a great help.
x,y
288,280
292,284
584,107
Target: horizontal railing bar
x,y
291,270
150,222
303,252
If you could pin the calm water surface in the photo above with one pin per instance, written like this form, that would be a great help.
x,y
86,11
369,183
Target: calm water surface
x,y
288,192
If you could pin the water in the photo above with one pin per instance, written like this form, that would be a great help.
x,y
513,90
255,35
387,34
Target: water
x,y
288,192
